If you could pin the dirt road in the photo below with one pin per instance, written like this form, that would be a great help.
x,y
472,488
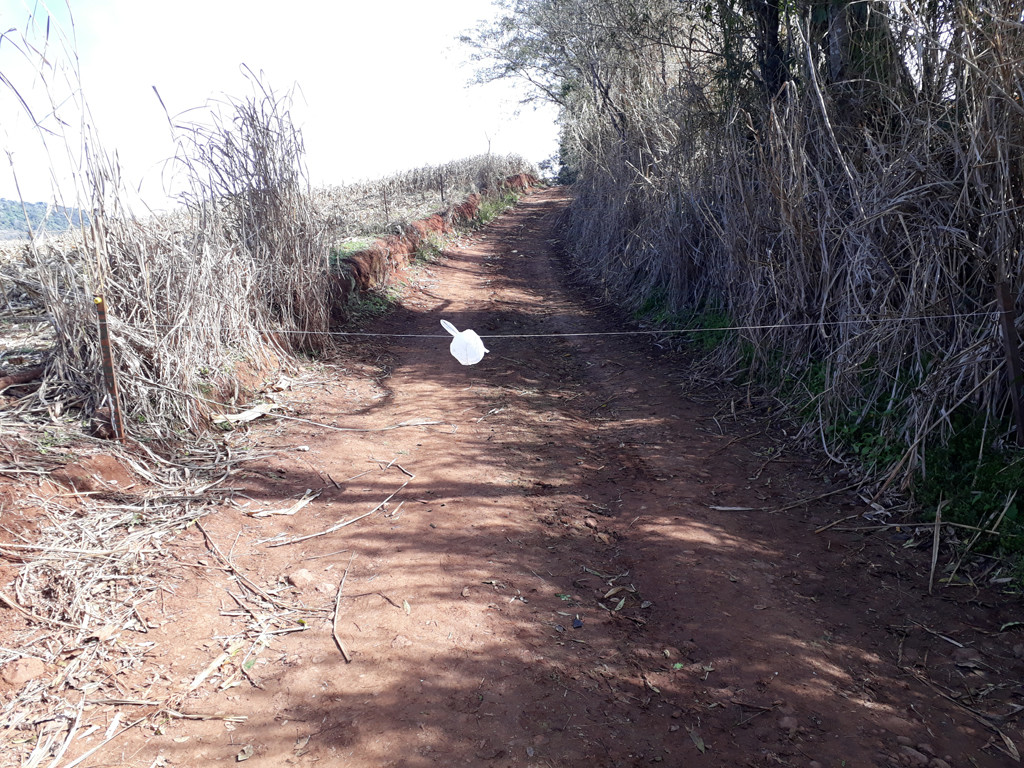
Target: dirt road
x,y
590,560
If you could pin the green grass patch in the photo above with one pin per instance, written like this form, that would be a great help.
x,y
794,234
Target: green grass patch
x,y
974,480
493,206
971,475
710,324
430,248
369,305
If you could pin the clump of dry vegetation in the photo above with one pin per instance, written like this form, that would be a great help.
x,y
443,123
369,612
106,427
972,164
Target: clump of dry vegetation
x,y
839,182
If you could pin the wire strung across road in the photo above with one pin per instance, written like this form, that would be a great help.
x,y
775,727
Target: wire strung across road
x,y
648,332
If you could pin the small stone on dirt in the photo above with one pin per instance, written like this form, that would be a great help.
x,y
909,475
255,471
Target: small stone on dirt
x,y
915,757
300,579
401,641
788,724
590,522
19,672
966,656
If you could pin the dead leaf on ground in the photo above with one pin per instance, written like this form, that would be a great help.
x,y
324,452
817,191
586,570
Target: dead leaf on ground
x,y
698,742
244,417
307,497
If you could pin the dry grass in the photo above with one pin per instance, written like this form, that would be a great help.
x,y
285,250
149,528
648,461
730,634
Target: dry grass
x,y
856,227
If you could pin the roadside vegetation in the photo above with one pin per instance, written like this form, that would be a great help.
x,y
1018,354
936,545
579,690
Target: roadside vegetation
x,y
838,182
210,300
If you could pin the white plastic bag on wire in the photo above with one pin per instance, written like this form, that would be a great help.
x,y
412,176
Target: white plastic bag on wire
x,y
466,347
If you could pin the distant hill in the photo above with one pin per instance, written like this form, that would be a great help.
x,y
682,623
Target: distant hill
x,y
13,224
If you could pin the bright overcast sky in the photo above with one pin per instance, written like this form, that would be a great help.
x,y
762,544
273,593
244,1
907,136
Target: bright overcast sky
x,y
383,84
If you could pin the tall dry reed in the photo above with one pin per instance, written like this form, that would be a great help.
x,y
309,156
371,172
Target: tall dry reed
x,y
852,223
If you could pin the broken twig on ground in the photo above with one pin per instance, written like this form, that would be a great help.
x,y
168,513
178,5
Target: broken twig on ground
x,y
334,619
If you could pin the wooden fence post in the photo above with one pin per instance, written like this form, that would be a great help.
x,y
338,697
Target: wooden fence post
x,y
108,370
1008,316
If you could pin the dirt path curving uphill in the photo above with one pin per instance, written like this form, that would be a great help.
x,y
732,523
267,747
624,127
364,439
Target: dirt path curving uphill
x,y
591,561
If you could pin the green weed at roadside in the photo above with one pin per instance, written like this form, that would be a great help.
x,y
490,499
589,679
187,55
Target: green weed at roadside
x,y
341,251
369,305
430,248
492,207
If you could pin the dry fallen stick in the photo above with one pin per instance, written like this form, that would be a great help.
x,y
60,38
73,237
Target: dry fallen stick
x,y
410,423
72,732
241,576
731,442
334,620
882,526
306,498
935,547
835,523
342,524
214,716
124,702
104,743
802,502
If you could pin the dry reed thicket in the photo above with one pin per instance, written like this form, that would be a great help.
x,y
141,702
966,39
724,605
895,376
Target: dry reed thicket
x,y
844,182
202,302
204,305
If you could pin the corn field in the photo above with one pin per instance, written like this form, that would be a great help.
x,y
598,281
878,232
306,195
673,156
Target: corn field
x,y
387,206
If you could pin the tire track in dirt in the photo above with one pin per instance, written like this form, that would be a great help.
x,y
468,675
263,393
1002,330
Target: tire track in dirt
x,y
555,588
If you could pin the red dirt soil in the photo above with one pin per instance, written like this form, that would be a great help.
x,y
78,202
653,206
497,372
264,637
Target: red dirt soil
x,y
598,562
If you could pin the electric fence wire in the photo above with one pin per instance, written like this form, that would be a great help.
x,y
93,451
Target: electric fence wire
x,y
645,332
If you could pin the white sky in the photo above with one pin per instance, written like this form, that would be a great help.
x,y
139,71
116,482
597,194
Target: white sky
x,y
383,84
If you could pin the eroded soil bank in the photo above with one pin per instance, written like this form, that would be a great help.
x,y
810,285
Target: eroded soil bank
x,y
589,559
